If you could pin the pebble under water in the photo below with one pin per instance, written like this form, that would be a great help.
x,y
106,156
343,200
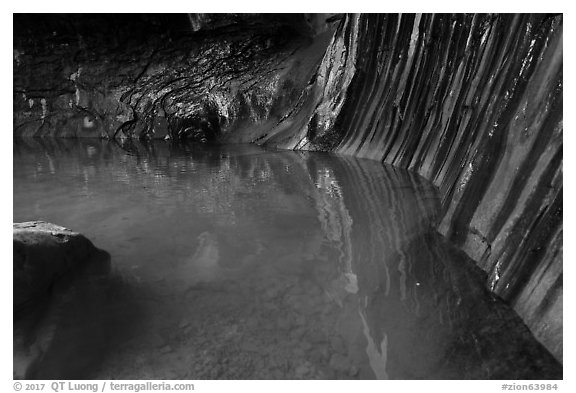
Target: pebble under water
x,y
235,262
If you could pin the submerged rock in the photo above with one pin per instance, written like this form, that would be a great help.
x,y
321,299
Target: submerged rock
x,y
44,253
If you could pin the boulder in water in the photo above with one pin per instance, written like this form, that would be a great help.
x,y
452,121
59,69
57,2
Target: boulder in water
x,y
45,252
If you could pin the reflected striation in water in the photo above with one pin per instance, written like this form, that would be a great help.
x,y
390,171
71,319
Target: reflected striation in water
x,y
238,262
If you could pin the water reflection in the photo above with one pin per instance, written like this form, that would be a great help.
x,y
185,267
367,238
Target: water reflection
x,y
259,264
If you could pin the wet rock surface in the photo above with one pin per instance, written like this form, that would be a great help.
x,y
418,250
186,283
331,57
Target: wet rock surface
x,y
61,281
45,253
153,76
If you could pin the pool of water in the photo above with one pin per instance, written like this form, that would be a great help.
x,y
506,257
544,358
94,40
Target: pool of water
x,y
235,262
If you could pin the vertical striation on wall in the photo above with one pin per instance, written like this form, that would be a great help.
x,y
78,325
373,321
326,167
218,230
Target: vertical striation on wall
x,y
473,103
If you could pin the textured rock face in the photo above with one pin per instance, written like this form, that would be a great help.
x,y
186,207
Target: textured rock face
x,y
473,103
44,253
153,76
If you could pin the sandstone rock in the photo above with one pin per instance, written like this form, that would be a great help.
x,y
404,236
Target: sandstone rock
x,y
146,78
58,290
45,252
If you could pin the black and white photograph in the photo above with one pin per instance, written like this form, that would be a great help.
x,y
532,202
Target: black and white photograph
x,y
286,196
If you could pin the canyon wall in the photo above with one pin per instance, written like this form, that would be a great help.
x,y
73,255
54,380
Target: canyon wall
x,y
471,102
474,104
161,76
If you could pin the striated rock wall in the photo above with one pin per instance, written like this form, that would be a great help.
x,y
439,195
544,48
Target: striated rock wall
x,y
473,103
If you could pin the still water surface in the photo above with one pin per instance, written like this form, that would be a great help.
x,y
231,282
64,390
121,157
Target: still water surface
x,y
238,262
